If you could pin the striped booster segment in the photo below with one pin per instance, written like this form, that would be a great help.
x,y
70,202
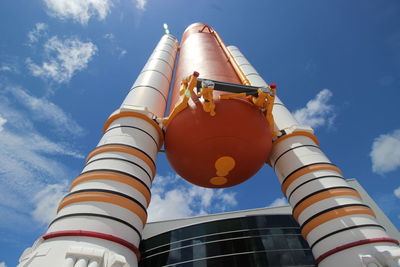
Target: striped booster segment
x,y
109,199
111,195
331,214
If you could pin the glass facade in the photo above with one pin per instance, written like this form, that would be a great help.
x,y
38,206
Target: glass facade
x,y
262,240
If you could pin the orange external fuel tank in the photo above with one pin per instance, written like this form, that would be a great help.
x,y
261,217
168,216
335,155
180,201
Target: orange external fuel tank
x,y
214,151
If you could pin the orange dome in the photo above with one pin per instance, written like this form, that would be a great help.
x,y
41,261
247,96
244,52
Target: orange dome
x,y
219,151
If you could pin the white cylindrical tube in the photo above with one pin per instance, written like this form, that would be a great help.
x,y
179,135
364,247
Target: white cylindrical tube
x,y
338,226
69,261
82,262
151,88
93,263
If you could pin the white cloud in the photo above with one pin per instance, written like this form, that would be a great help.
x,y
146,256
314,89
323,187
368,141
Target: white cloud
x,y
317,111
123,53
82,11
64,58
113,45
46,202
141,4
47,111
29,162
397,192
79,10
173,204
2,122
5,67
26,151
172,197
109,36
3,264
385,153
9,64
39,31
8,68
281,201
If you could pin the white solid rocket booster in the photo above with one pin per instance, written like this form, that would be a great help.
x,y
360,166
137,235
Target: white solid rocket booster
x,y
99,222
340,229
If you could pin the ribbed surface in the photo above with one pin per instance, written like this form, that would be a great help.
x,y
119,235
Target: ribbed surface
x,y
109,184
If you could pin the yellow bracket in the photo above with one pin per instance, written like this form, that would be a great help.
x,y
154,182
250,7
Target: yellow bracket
x,y
187,86
264,100
206,92
232,96
268,110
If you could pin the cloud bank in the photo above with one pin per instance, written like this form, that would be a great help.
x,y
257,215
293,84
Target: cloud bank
x,y
79,10
39,31
44,110
141,4
385,152
30,161
318,112
172,198
46,202
397,192
63,59
281,201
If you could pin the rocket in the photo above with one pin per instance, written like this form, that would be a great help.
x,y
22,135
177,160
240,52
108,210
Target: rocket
x,y
224,123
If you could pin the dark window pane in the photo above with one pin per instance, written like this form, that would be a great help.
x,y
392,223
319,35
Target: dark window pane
x,y
264,240
303,257
294,241
268,242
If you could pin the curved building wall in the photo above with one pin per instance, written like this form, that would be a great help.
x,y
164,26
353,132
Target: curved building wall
x,y
258,240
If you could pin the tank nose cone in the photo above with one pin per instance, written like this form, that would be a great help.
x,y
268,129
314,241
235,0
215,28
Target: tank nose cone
x,y
196,25
193,28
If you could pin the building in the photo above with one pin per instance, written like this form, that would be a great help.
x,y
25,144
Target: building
x,y
259,237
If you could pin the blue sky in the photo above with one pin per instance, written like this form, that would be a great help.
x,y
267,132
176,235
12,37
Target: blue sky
x,y
65,65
